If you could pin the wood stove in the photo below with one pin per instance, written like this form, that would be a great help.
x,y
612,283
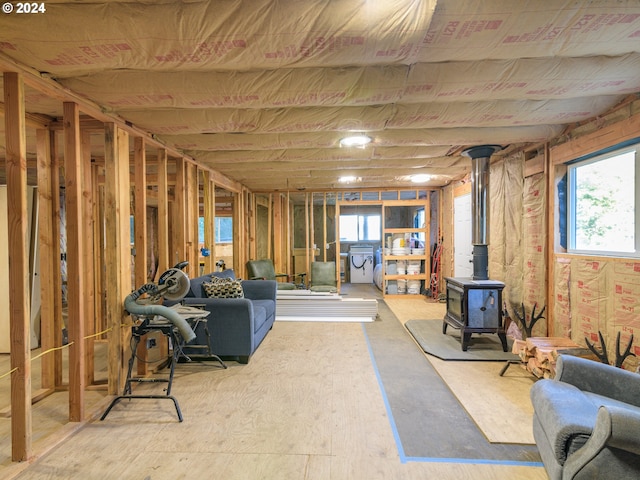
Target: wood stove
x,y
474,304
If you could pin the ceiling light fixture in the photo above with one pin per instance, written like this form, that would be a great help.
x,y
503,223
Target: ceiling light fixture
x,y
420,178
359,141
349,179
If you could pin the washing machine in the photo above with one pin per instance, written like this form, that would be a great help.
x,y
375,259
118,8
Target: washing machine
x,y
361,264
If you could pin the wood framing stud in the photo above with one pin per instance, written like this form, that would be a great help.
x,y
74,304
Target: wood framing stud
x,y
75,260
19,313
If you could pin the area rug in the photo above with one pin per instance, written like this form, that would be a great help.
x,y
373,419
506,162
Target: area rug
x,y
482,347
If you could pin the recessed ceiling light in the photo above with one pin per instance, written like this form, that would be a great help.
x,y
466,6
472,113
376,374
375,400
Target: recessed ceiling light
x,y
349,179
420,178
355,141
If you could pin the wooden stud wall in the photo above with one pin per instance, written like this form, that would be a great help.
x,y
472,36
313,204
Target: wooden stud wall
x,y
140,211
289,231
56,283
208,194
192,215
75,260
86,189
117,260
98,248
279,260
240,233
163,213
16,166
179,230
98,207
49,244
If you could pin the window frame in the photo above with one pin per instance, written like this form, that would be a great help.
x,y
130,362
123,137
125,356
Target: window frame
x,y
601,155
217,230
360,219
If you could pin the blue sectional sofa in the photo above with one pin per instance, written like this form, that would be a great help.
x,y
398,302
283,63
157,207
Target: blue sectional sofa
x,y
237,326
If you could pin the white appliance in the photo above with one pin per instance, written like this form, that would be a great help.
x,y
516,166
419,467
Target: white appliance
x,y
361,264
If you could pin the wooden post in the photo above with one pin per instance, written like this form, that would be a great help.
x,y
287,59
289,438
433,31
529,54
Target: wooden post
x,y
16,155
140,233
253,227
288,235
550,184
56,281
49,254
337,244
191,219
312,227
97,171
214,216
179,215
196,221
209,220
117,260
270,234
324,232
163,212
124,235
75,259
140,211
88,297
278,258
238,263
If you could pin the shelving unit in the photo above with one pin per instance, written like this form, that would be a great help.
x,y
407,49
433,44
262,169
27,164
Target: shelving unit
x,y
404,211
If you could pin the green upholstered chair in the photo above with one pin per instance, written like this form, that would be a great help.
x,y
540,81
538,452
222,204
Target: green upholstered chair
x,y
264,270
323,277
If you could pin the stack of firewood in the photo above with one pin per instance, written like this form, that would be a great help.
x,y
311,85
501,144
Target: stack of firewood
x,y
539,354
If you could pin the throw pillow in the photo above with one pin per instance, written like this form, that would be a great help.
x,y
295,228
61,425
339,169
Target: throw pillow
x,y
223,288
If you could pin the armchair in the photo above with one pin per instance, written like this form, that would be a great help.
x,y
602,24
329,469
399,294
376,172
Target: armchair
x,y
264,270
586,421
323,277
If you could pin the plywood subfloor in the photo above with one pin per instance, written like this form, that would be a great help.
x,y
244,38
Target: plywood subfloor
x,y
50,413
499,405
307,406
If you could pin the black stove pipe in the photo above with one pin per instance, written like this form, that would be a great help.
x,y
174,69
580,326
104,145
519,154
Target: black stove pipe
x,y
480,207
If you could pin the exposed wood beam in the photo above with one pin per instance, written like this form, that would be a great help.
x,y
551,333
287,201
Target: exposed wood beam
x,y
619,132
33,120
87,124
36,80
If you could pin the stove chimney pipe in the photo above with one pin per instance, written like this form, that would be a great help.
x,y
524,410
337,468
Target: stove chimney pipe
x,y
480,207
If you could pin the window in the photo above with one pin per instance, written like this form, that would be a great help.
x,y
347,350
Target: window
x,y
223,230
604,201
356,228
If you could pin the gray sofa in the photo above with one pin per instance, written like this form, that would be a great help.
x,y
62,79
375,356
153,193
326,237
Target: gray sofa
x,y
586,421
236,326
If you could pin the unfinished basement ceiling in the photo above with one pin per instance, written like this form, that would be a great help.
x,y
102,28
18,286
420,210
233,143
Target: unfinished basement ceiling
x,y
263,90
